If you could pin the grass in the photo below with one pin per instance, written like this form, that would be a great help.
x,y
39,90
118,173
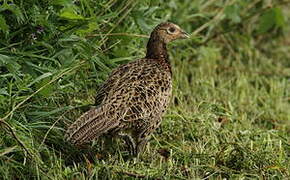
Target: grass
x,y
229,115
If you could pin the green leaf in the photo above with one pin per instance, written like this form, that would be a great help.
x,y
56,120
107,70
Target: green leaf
x,y
10,63
92,26
279,17
4,92
48,90
267,21
270,19
99,63
69,13
3,26
232,12
4,59
43,76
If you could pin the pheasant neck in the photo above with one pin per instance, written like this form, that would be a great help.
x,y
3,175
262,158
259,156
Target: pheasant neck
x,y
156,49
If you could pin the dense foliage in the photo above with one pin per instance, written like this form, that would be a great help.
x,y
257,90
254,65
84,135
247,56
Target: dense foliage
x,y
229,116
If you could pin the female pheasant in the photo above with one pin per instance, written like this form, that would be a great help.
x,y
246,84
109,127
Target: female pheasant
x,y
134,98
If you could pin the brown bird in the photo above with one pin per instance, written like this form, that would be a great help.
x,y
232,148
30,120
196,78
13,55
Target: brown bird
x,y
134,98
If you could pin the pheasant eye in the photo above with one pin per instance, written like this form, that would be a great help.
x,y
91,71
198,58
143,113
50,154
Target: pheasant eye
x,y
171,30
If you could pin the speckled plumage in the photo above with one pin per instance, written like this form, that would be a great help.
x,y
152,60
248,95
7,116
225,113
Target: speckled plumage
x,y
134,98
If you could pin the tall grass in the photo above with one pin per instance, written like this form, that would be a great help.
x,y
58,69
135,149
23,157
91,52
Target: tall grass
x,y
229,115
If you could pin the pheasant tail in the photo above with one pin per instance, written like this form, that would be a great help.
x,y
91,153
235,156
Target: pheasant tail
x,y
91,125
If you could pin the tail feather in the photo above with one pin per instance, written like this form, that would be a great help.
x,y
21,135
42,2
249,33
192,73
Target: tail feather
x,y
91,125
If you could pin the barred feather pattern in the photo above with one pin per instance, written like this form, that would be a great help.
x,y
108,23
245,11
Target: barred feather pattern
x,y
132,100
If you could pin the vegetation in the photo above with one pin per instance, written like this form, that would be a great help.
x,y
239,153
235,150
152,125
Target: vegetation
x,y
229,116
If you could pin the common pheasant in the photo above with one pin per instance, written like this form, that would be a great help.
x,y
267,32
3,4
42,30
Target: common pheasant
x,y
132,101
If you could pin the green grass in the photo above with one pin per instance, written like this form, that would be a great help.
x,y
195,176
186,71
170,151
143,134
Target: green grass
x,y
230,112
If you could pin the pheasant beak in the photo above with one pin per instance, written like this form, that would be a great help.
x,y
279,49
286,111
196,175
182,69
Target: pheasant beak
x,y
184,35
